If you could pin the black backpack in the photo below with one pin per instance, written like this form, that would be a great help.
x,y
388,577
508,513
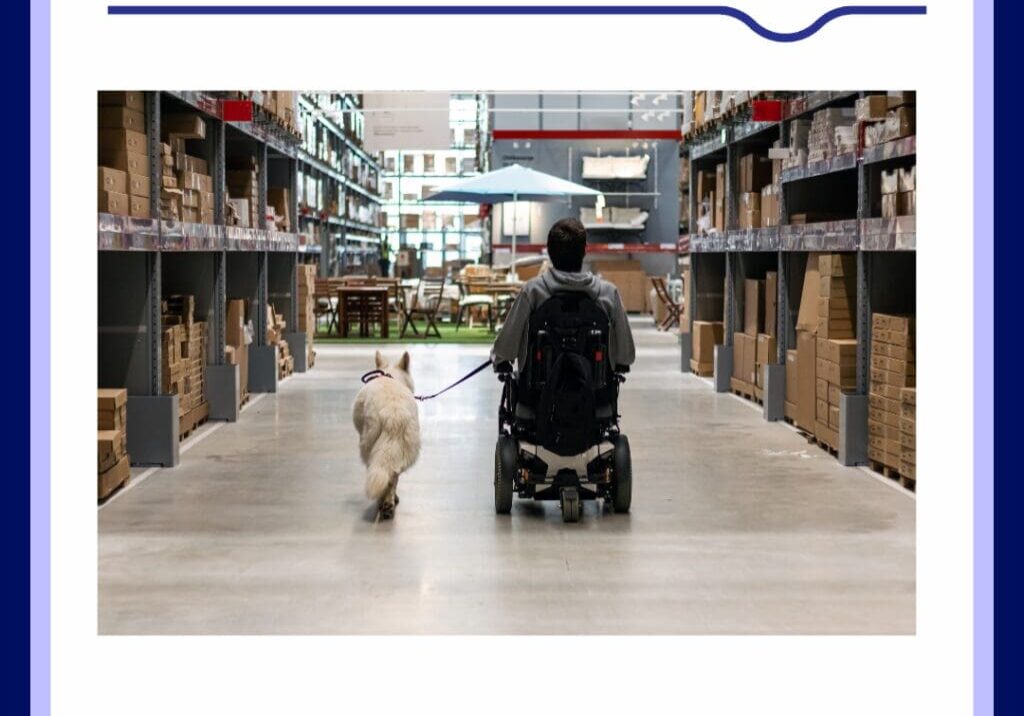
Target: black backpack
x,y
568,368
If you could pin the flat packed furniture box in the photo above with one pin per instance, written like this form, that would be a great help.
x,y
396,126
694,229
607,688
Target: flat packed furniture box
x,y
631,280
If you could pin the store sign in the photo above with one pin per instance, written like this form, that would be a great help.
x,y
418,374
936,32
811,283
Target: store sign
x,y
406,120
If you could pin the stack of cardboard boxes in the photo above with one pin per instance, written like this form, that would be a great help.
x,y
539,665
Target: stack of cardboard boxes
x,y
243,192
908,432
705,336
283,107
276,326
238,336
836,345
744,343
756,346
279,208
307,317
826,126
124,155
892,370
755,175
799,130
183,353
887,117
186,189
112,440
898,188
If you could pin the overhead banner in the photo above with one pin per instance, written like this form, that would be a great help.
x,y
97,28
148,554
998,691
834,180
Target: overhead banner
x,y
406,120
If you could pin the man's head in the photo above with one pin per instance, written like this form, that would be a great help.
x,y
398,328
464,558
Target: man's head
x,y
567,242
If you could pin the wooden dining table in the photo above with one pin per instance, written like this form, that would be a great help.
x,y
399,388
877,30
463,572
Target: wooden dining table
x,y
368,304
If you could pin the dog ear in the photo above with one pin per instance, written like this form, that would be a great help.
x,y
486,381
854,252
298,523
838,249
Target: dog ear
x,y
403,362
381,363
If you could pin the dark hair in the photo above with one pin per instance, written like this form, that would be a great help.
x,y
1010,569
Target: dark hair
x,y
567,242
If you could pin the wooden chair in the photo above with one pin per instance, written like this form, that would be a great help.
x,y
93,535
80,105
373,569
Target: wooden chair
x,y
405,313
474,296
326,302
672,309
426,302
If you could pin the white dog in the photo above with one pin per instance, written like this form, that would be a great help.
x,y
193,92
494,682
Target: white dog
x,y
387,419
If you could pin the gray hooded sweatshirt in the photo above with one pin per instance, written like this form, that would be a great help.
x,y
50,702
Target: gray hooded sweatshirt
x,y
511,342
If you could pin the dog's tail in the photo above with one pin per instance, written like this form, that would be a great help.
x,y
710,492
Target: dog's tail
x,y
378,478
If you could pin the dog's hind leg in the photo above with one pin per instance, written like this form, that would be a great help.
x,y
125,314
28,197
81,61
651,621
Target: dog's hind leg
x,y
390,499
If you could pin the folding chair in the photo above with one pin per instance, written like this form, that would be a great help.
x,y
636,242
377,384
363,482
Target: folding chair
x,y
672,309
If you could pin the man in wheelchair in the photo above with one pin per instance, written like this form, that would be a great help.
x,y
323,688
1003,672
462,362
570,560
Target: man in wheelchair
x,y
561,355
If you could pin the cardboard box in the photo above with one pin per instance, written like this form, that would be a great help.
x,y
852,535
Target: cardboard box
x,y
629,278
844,287
899,123
871,108
821,388
840,327
906,203
845,376
113,202
838,350
234,329
771,294
837,265
111,398
889,181
827,435
807,315
122,140
744,358
706,335
739,343
767,352
186,125
792,373
138,206
113,478
110,447
753,306
113,180
890,206
907,179
130,162
835,393
122,118
806,357
908,396
132,100
138,185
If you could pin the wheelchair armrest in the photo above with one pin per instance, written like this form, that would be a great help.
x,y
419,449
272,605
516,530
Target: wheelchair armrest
x,y
503,367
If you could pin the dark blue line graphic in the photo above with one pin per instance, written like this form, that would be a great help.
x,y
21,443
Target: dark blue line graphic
x,y
724,10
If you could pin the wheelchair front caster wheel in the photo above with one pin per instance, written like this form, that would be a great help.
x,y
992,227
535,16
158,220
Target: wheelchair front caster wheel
x,y
571,505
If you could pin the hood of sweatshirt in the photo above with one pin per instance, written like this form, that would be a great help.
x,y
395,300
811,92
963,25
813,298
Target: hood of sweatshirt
x,y
584,282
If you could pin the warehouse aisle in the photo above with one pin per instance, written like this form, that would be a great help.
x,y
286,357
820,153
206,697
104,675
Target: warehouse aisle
x,y
738,526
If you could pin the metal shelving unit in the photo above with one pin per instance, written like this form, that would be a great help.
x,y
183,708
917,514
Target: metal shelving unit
x,y
885,249
141,260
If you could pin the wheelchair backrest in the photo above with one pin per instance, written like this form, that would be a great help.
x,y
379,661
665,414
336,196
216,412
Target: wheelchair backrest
x,y
567,370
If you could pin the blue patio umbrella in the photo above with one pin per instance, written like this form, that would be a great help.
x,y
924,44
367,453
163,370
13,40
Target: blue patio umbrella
x,y
514,183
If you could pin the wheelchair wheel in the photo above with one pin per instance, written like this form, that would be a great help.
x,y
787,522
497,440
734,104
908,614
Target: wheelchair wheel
x,y
506,456
622,468
571,505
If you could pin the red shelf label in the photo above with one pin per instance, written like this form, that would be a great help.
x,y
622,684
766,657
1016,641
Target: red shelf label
x,y
236,110
767,110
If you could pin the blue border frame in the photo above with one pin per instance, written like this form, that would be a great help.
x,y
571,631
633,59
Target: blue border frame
x,y
722,10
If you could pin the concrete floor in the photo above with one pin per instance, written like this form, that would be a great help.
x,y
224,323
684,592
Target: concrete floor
x,y
738,526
